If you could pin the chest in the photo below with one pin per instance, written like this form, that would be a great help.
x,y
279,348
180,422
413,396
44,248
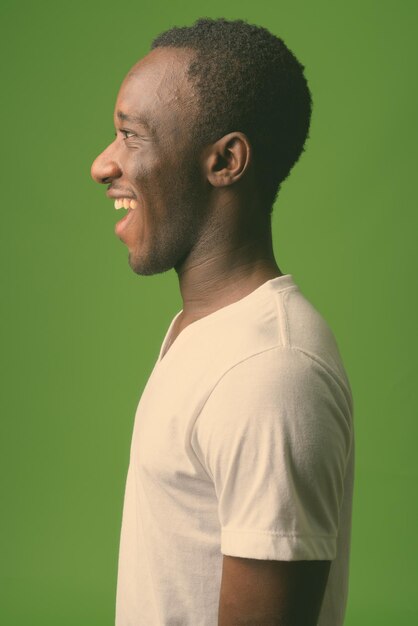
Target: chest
x,y
161,449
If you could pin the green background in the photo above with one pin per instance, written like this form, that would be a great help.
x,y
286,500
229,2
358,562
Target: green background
x,y
81,331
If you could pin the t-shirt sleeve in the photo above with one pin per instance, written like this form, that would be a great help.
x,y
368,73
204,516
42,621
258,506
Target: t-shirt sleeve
x,y
274,436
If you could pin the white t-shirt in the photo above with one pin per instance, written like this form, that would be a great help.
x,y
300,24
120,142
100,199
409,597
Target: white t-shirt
x,y
242,445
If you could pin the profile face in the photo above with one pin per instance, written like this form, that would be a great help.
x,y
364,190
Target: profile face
x,y
153,163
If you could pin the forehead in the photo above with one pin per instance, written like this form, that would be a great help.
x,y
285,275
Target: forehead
x,y
157,87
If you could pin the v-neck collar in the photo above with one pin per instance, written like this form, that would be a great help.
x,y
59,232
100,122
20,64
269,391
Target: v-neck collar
x,y
283,281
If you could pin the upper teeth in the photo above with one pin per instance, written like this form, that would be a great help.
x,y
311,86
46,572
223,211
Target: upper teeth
x,y
126,203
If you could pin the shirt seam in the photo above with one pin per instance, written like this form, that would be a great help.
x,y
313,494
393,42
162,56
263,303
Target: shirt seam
x,y
282,318
278,534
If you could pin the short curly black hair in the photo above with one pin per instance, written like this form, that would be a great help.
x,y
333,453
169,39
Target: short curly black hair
x,y
249,81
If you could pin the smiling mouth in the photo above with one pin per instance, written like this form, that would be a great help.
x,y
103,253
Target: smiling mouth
x,y
126,203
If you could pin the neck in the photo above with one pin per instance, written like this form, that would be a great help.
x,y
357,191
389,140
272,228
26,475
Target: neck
x,y
224,271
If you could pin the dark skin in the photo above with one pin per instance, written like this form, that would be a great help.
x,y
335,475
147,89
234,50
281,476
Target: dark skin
x,y
199,213
255,592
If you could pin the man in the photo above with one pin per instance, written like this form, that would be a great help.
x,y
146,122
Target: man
x,y
238,497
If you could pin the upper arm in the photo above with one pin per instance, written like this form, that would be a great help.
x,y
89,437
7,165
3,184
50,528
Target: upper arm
x,y
257,592
274,438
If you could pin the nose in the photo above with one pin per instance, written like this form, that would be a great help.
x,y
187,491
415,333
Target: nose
x,y
105,167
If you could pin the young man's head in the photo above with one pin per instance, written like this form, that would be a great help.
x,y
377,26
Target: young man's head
x,y
248,80
209,124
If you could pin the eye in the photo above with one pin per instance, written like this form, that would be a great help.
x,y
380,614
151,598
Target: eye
x,y
126,133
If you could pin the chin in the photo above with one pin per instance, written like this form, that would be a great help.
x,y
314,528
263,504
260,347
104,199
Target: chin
x,y
161,257
147,267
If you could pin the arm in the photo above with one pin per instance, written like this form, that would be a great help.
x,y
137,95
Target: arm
x,y
274,437
257,592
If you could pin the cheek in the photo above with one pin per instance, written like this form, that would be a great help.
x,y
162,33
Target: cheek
x,y
153,176
144,165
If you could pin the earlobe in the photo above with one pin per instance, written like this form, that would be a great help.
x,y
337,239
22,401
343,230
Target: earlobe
x,y
228,159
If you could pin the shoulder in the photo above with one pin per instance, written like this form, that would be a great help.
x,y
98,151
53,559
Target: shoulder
x,y
282,392
282,374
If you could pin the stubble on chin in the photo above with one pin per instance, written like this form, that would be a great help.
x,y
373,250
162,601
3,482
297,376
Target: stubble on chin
x,y
170,244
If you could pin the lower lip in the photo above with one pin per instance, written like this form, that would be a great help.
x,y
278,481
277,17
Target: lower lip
x,y
120,226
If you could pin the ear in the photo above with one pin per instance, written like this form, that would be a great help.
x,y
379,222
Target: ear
x,y
228,159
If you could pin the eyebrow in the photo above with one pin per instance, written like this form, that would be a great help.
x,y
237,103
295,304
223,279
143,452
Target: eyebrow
x,y
136,119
